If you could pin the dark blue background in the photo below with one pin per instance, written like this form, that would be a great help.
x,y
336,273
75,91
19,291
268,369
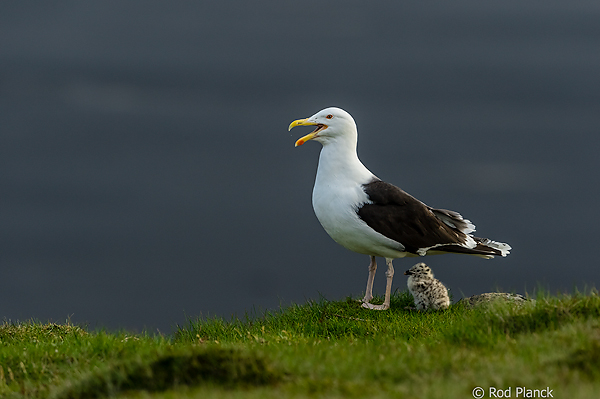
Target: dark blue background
x,y
146,171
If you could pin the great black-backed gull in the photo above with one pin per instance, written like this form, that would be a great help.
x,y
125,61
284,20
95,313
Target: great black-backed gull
x,y
428,292
369,216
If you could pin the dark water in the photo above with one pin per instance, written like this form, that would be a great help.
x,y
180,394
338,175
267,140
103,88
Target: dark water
x,y
147,172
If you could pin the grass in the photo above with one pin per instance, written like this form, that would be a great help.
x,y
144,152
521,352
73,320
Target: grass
x,y
319,349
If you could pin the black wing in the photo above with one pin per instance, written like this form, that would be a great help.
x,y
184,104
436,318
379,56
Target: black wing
x,y
403,218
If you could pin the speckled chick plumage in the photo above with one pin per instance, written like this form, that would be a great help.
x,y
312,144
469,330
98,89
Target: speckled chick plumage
x,y
428,292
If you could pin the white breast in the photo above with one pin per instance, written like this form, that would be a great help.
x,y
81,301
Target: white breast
x,y
337,195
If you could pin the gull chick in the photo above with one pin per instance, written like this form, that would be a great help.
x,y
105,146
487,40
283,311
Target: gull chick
x,y
428,292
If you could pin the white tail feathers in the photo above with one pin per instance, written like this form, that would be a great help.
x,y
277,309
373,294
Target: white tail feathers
x,y
499,246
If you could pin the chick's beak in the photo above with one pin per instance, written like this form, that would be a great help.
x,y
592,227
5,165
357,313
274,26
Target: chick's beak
x,y
311,135
408,273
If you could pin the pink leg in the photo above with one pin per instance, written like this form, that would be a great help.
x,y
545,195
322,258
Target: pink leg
x,y
369,290
388,289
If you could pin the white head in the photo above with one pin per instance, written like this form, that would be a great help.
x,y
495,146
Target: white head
x,y
332,125
420,271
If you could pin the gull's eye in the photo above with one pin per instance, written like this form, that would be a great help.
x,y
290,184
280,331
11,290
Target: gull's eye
x,y
329,116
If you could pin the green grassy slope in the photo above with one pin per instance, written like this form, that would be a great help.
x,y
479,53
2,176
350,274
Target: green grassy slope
x,y
320,349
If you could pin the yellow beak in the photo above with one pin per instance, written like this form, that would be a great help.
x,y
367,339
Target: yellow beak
x,y
310,136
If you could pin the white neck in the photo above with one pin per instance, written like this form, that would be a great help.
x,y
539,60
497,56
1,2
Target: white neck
x,y
339,162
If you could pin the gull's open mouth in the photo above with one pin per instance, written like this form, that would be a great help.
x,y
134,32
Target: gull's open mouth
x,y
320,127
311,135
